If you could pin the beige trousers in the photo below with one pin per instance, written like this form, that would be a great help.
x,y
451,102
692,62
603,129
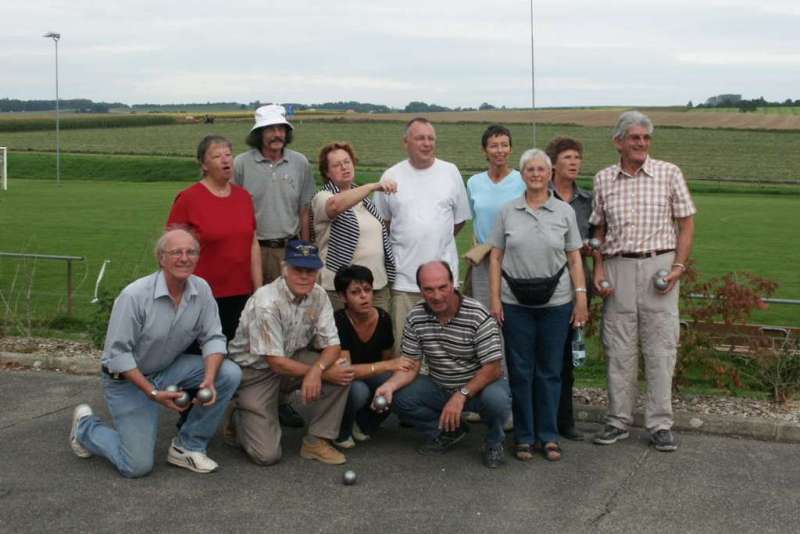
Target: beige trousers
x,y
402,302
637,317
271,259
255,413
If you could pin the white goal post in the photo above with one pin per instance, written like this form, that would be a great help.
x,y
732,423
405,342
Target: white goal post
x,y
4,167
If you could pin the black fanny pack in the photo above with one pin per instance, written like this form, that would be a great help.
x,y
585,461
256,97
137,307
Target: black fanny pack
x,y
534,291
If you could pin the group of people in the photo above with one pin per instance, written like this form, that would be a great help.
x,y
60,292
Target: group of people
x,y
351,296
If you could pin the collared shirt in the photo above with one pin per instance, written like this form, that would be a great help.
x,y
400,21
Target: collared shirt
x,y
582,204
423,211
456,350
535,244
276,323
279,190
639,211
147,331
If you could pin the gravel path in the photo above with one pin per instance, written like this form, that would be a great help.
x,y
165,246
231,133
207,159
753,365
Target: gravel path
x,y
700,404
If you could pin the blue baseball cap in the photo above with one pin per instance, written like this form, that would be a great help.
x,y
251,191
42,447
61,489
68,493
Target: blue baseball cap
x,y
303,254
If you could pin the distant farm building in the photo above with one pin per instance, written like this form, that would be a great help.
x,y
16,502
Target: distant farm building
x,y
724,100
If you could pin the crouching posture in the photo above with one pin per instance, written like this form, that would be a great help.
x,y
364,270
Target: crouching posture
x,y
153,320
461,343
287,340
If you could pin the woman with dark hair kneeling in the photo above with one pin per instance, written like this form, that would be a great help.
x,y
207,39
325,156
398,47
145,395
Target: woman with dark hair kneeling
x,y
365,333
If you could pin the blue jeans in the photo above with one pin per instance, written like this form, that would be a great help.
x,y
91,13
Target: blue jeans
x,y
358,410
131,446
535,340
421,403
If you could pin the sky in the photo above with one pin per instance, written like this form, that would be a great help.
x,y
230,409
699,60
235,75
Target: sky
x,y
448,52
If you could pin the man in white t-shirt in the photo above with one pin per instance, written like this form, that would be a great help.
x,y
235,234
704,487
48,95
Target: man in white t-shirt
x,y
424,215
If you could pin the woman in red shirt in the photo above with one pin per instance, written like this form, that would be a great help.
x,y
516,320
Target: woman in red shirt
x,y
220,213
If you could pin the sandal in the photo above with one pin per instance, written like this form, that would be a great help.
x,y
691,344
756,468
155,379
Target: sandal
x,y
522,451
551,452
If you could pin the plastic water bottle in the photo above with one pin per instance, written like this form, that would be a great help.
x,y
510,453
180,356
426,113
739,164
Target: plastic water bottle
x,y
578,348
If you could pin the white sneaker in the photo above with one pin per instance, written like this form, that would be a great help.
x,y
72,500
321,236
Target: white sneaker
x,y
471,417
345,443
191,460
81,412
358,434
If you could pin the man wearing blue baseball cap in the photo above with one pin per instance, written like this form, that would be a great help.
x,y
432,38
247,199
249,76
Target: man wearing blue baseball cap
x,y
287,340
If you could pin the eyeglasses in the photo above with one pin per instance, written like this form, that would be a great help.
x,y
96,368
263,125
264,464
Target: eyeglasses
x,y
178,252
342,164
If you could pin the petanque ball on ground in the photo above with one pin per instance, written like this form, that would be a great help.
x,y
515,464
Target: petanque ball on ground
x,y
380,403
183,400
204,395
172,389
349,478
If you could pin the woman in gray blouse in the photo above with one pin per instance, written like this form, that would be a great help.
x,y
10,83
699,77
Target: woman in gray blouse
x,y
536,242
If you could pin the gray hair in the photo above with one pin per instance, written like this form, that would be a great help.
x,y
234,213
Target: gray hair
x,y
534,153
412,122
629,119
161,243
206,143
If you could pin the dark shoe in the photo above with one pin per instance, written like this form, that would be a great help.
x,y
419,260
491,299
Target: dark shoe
x,y
493,456
289,417
664,441
443,442
609,435
571,433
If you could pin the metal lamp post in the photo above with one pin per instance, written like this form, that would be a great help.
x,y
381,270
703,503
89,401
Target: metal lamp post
x,y
55,37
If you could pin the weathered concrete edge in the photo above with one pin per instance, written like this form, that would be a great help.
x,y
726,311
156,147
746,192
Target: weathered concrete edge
x,y
746,427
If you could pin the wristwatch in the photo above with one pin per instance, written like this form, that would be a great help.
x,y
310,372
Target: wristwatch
x,y
466,392
154,393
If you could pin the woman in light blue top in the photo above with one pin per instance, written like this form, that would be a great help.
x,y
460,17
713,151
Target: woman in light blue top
x,y
487,192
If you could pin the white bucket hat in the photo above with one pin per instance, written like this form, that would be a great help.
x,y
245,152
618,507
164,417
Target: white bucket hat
x,y
270,115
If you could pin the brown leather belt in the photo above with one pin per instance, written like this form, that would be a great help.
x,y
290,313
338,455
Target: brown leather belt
x,y
275,243
642,255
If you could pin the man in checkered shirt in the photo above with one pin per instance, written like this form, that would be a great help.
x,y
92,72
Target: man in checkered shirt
x,y
643,214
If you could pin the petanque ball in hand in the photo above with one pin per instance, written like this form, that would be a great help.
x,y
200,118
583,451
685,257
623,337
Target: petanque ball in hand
x,y
349,478
594,243
605,284
183,400
659,281
172,389
204,395
380,403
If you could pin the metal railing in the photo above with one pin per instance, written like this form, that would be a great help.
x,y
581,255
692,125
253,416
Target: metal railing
x,y
68,259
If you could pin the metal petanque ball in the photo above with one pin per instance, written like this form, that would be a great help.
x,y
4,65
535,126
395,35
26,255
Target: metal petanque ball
x,y
380,403
183,400
172,389
204,395
605,284
595,243
349,478
659,280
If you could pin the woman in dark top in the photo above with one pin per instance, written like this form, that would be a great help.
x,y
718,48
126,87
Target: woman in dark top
x,y
365,333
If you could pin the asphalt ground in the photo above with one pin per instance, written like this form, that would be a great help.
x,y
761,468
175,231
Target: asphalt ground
x,y
711,484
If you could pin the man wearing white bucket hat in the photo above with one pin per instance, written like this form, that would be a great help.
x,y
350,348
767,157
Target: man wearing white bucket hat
x,y
281,183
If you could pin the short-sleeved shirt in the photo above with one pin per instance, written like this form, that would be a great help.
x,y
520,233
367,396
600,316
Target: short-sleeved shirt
x,y
279,190
535,244
427,205
582,204
486,197
455,351
639,211
225,227
369,248
276,323
147,331
371,350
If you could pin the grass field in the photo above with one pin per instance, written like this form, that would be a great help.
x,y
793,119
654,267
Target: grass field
x,y
120,220
701,153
